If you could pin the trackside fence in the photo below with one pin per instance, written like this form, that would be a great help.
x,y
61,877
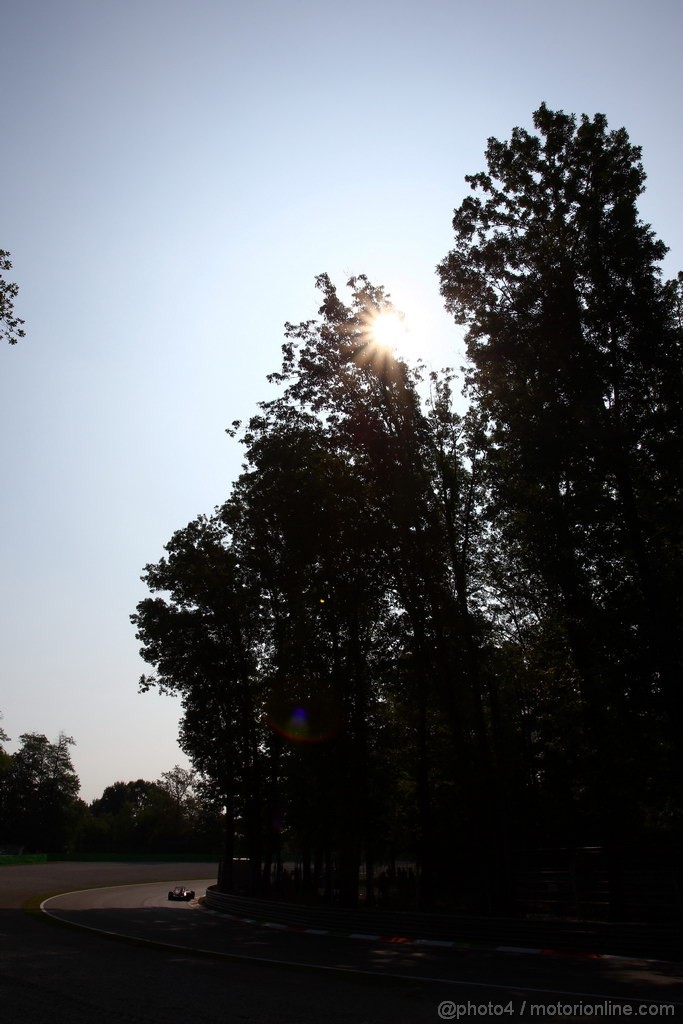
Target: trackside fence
x,y
663,942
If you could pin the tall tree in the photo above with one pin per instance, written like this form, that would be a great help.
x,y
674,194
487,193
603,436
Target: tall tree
x,y
333,583
419,518
575,346
202,638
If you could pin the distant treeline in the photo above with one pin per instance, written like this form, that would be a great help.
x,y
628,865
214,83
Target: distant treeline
x,y
40,810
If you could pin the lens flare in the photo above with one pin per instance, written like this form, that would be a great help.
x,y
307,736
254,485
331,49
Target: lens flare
x,y
315,719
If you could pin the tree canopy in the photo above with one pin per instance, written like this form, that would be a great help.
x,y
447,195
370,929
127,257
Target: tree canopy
x,y
575,350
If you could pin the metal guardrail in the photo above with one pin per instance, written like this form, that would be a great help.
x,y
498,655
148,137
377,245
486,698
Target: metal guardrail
x,y
663,942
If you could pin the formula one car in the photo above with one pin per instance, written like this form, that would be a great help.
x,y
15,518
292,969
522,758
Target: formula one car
x,y
181,893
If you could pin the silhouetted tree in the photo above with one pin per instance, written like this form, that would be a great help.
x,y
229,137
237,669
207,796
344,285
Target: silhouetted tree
x,y
346,534
408,631
11,326
40,801
575,346
135,816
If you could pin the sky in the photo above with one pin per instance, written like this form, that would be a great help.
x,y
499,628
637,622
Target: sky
x,y
174,175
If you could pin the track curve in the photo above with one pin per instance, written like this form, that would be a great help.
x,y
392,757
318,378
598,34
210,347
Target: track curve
x,y
142,913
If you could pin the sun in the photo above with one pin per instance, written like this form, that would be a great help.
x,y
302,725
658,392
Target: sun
x,y
389,331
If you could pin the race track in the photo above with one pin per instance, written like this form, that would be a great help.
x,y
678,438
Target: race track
x,y
326,978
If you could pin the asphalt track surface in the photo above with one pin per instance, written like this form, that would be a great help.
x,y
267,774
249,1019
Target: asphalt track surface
x,y
136,957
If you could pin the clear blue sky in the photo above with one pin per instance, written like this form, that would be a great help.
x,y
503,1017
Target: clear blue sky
x,y
174,174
